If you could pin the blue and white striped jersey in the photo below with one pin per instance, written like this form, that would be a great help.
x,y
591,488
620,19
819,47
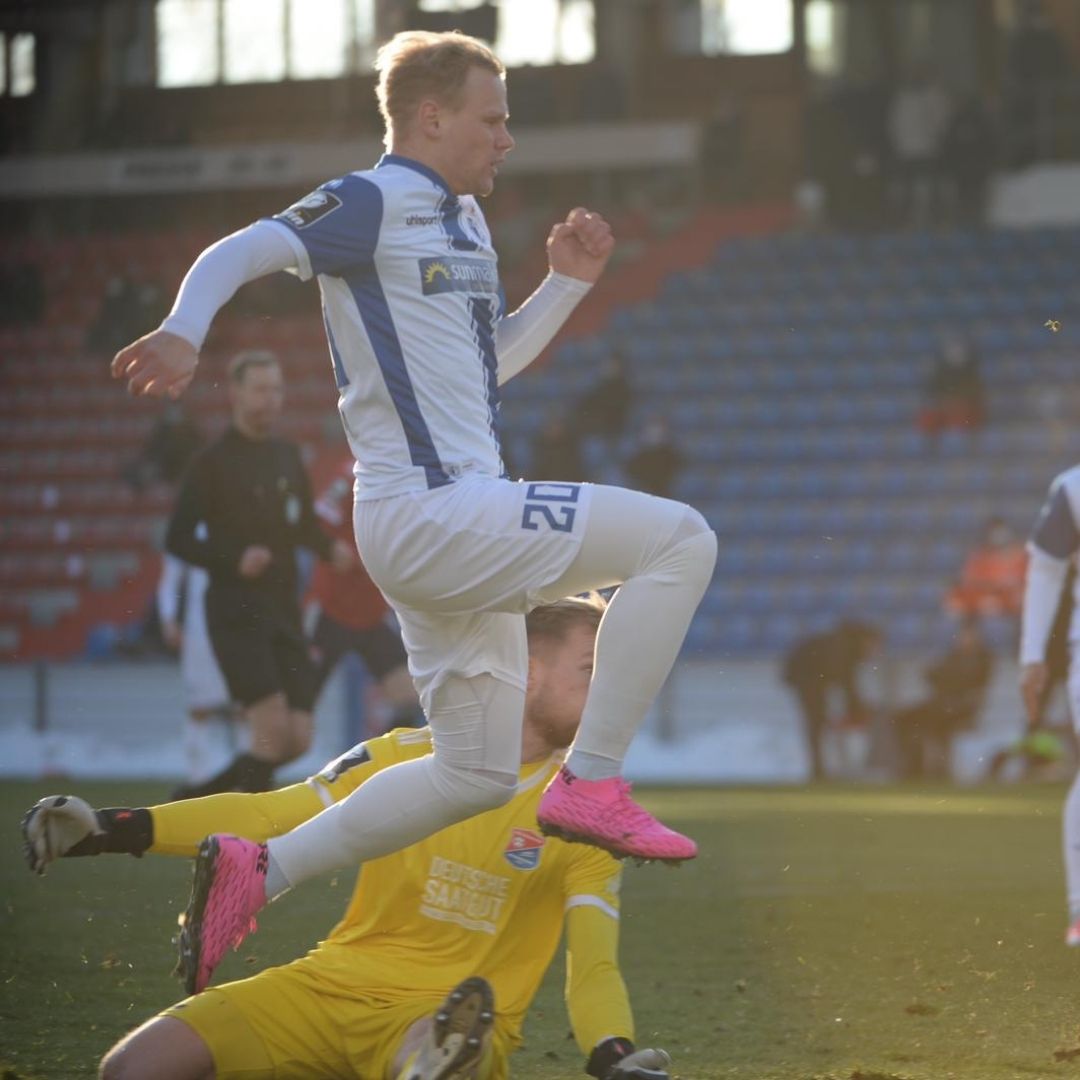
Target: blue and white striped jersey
x,y
411,298
1054,542
1056,532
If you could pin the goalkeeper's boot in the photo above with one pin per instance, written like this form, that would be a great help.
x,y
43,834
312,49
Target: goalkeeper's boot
x,y
601,813
228,888
1072,935
459,1035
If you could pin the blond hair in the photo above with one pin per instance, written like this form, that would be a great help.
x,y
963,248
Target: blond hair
x,y
418,64
551,623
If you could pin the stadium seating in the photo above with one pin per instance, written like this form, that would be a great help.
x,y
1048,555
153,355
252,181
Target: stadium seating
x,y
790,366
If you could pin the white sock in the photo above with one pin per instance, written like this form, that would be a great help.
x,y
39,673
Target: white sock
x,y
276,881
200,759
586,766
631,666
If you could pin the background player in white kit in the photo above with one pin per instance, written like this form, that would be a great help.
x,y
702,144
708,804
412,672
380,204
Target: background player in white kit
x,y
209,733
1054,543
412,305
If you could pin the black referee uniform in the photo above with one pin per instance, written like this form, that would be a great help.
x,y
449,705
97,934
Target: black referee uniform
x,y
239,493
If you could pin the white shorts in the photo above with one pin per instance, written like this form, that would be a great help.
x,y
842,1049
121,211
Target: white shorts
x,y
462,564
203,682
1072,685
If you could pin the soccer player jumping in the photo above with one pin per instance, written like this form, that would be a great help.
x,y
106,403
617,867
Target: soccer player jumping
x,y
419,345
1054,545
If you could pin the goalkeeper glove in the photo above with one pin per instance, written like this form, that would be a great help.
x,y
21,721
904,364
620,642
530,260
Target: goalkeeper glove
x,y
63,826
616,1059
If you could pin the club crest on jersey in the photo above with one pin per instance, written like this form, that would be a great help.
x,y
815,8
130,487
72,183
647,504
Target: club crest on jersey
x,y
454,274
523,851
308,210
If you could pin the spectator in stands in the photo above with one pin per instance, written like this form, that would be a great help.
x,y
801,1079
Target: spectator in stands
x,y
656,461
244,509
173,441
957,683
953,391
969,154
991,582
919,117
826,662
604,408
556,450
346,613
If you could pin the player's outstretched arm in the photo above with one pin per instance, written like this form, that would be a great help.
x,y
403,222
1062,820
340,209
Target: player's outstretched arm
x,y
60,826
65,826
596,997
163,363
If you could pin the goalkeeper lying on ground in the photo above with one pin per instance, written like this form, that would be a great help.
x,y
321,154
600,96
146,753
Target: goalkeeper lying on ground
x,y
478,907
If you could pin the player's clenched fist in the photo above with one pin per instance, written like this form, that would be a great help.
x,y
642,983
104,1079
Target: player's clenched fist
x,y
581,245
53,826
160,364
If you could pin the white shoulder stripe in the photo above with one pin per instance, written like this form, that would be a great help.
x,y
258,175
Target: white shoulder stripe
x,y
583,900
407,738
543,774
321,790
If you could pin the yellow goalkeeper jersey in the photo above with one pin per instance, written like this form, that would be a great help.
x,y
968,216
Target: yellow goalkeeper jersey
x,y
487,896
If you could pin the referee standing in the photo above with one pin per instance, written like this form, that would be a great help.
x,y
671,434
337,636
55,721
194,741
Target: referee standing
x,y
244,508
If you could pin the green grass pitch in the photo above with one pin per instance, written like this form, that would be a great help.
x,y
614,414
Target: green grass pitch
x,y
832,933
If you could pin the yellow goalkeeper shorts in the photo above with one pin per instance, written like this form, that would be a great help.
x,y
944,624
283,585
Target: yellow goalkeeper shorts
x,y
290,1022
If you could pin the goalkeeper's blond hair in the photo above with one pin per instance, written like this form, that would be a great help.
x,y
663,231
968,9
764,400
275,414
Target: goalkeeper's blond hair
x,y
550,623
418,64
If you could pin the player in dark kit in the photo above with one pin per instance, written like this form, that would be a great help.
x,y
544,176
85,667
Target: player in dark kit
x,y
244,509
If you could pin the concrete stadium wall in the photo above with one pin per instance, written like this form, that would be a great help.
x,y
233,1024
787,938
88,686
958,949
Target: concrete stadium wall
x,y
716,722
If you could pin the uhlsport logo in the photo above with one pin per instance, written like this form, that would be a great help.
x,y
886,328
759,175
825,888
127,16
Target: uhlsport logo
x,y
523,851
458,275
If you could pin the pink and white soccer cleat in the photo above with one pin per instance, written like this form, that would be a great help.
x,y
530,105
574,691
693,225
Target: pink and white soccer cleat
x,y
601,813
1072,935
228,888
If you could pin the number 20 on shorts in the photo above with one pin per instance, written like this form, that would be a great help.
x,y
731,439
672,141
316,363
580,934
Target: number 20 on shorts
x,y
553,505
